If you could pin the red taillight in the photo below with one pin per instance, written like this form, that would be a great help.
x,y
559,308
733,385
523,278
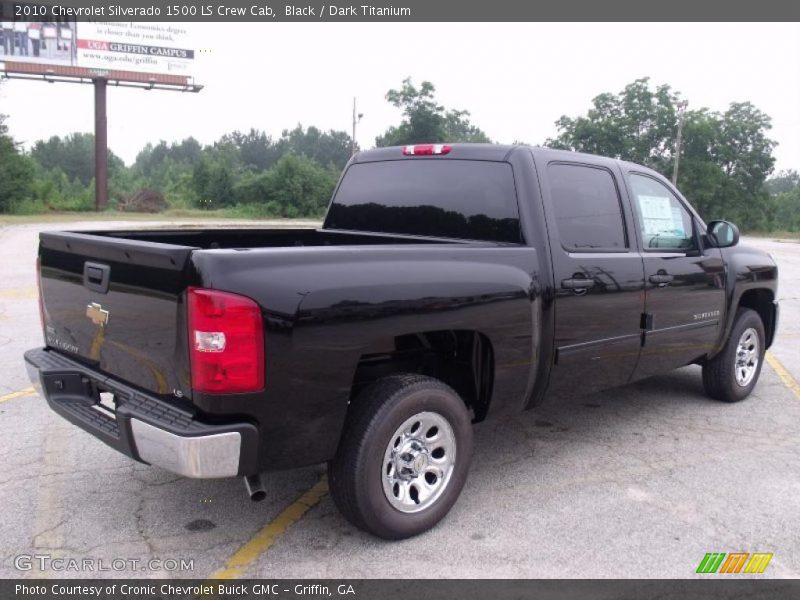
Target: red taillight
x,y
226,342
39,288
426,149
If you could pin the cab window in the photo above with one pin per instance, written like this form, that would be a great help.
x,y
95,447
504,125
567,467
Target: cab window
x,y
664,223
587,207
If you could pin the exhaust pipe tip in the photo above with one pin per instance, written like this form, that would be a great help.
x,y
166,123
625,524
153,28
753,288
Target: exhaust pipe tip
x,y
255,489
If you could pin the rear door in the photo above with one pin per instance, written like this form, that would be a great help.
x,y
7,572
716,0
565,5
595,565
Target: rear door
x,y
685,282
598,277
116,305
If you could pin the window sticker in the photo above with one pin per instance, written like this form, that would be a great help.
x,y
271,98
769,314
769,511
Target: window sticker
x,y
677,222
657,215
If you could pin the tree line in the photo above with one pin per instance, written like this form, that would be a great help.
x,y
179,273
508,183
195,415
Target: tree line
x,y
292,176
726,160
725,157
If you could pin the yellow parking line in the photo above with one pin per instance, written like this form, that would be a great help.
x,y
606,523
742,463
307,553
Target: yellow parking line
x,y
19,394
784,374
269,534
49,524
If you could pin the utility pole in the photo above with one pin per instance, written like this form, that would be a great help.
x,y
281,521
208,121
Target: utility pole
x,y
679,140
356,121
100,145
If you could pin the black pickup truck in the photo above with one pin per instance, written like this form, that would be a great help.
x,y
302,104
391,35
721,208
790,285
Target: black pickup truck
x,y
449,284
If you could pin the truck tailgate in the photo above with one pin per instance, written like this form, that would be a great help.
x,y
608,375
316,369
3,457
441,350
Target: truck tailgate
x,y
116,304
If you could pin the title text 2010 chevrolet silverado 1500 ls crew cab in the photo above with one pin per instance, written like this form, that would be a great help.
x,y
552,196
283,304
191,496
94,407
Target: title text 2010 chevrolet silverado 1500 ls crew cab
x,y
449,284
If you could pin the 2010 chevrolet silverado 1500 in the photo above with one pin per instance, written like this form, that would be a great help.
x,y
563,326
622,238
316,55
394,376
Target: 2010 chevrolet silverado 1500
x,y
448,284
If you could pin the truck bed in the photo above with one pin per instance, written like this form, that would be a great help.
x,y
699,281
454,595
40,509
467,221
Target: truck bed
x,y
207,239
114,299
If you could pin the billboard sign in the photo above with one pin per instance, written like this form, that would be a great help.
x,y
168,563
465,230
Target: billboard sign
x,y
45,43
145,47
157,48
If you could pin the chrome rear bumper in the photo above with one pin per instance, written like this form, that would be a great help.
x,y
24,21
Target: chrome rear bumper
x,y
204,456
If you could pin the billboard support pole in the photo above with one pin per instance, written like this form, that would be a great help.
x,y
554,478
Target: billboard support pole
x,y
100,145
99,78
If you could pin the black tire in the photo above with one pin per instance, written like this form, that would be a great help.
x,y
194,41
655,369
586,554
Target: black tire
x,y
356,474
719,373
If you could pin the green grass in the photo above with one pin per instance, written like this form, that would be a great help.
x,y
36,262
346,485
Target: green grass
x,y
183,214
779,235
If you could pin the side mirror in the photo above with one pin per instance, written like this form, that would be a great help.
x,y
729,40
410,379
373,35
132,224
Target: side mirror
x,y
723,234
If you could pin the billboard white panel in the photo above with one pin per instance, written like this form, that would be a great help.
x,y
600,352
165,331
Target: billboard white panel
x,y
161,48
146,47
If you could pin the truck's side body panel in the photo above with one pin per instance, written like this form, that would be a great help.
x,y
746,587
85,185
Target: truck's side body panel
x,y
329,307
749,272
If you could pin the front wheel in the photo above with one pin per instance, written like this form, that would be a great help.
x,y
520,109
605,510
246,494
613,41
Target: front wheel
x,y
732,374
404,456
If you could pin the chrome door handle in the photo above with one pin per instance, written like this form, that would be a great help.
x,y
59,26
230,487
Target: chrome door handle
x,y
661,279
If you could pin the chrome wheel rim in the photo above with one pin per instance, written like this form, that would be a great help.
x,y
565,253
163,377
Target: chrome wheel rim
x,y
747,357
418,462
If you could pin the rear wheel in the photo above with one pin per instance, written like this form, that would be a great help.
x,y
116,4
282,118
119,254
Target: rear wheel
x,y
733,373
404,456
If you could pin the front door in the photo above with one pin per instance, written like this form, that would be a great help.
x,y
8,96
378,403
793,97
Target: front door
x,y
598,278
685,282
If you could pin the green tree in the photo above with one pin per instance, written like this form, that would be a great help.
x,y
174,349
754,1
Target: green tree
x,y
295,187
784,181
74,154
201,178
425,120
326,148
53,190
187,151
255,149
638,124
167,168
16,171
151,159
220,186
786,212
725,157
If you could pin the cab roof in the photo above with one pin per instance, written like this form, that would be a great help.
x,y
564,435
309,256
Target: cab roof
x,y
494,152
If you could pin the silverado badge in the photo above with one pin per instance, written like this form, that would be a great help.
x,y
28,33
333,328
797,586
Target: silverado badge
x,y
96,313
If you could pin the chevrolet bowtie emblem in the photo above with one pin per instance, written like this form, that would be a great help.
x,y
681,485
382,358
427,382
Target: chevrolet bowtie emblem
x,y
96,313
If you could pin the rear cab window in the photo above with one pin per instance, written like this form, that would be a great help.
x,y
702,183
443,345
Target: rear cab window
x,y
450,198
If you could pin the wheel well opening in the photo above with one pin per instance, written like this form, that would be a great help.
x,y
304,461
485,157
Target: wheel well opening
x,y
463,359
761,301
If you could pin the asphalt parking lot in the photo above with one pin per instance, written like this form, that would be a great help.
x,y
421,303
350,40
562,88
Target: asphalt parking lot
x,y
639,481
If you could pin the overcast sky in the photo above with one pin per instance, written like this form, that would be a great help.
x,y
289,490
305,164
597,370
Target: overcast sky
x,y
515,79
